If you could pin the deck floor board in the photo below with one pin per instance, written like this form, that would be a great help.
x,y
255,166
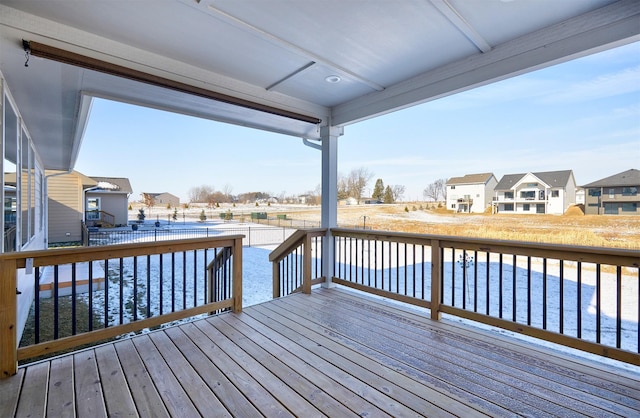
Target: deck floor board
x,y
331,353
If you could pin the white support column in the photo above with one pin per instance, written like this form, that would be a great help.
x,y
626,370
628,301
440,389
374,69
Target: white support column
x,y
329,216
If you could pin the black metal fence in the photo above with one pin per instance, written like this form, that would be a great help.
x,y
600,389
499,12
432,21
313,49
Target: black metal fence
x,y
254,235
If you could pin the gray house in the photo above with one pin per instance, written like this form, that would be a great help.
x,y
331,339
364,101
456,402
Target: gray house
x,y
614,195
107,203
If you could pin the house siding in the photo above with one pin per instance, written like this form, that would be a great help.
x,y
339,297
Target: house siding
x,y
65,208
115,204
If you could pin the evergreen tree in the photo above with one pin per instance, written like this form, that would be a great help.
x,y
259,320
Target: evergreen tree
x,y
141,215
175,214
388,195
378,190
203,217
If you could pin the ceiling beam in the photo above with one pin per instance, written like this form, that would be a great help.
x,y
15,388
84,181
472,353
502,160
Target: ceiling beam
x,y
67,57
461,23
607,27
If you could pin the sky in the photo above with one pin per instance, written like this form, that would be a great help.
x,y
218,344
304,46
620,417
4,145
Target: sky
x,y
582,115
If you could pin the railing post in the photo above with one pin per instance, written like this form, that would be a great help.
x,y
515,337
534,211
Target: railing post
x,y
306,264
237,275
436,280
276,278
8,318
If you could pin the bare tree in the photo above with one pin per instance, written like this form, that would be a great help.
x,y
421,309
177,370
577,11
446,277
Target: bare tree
x,y
227,190
357,182
436,190
149,200
200,194
397,191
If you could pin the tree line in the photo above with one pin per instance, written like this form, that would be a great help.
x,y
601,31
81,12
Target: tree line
x,y
352,185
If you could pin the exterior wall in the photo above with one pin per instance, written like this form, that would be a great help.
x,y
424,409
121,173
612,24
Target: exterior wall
x,y
612,201
65,208
531,196
165,199
477,196
114,203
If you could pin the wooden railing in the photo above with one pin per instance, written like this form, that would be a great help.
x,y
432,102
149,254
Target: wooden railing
x,y
581,297
297,262
115,290
100,217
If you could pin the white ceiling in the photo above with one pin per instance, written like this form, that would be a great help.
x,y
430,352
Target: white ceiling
x,y
389,54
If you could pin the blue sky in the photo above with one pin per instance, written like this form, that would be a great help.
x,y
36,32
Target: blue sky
x,y
582,115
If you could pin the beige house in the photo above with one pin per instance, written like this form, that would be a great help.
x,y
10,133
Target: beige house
x,y
161,199
614,195
74,198
65,205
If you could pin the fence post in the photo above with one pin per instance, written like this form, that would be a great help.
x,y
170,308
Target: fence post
x,y
155,234
436,280
8,318
237,275
249,233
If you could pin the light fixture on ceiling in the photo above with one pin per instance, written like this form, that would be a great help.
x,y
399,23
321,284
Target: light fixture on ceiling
x,y
333,79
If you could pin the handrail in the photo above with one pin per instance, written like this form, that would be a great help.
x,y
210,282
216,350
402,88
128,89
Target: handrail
x,y
34,261
457,276
287,251
294,241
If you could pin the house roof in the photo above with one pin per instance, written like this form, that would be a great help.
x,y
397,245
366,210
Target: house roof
x,y
114,184
481,178
626,178
550,178
282,66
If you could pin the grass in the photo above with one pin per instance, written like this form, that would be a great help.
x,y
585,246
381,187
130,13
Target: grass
x,y
570,229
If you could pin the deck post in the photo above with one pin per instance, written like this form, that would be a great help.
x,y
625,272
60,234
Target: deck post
x,y
8,318
329,215
436,280
237,275
275,266
306,266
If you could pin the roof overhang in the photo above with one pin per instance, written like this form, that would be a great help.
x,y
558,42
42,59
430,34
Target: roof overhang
x,y
236,62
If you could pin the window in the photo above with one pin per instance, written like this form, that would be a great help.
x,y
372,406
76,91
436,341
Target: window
x,y
541,194
593,205
594,192
555,193
508,207
529,195
532,184
630,207
508,195
93,208
453,206
453,187
612,193
629,191
526,207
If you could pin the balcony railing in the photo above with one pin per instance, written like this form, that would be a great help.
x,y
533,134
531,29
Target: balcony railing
x,y
297,263
581,297
115,290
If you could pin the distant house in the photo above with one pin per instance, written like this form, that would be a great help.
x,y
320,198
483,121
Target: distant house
x,y
161,199
65,205
107,203
470,193
614,195
550,192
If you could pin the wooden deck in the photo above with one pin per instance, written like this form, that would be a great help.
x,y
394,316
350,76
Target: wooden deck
x,y
332,353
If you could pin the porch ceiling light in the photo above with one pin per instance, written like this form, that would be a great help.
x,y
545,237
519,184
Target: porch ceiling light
x,y
333,79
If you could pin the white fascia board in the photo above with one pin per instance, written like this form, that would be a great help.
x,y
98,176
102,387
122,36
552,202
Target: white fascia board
x,y
604,28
